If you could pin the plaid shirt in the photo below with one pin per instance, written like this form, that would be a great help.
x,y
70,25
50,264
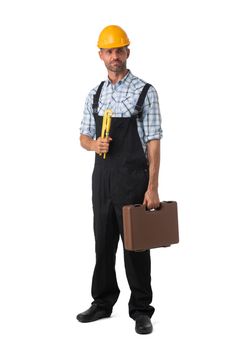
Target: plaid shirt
x,y
121,98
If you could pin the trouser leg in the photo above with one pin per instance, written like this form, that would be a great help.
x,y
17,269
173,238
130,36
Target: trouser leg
x,y
105,289
137,266
138,272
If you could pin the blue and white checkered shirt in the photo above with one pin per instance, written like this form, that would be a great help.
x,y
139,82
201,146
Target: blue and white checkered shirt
x,y
121,98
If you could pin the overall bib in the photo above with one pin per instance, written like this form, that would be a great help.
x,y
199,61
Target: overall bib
x,y
120,179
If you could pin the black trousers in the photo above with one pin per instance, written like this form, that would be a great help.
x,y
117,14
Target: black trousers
x,y
108,227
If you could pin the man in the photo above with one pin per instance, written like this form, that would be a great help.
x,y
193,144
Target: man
x,y
128,174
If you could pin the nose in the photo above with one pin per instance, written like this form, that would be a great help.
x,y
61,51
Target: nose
x,y
115,55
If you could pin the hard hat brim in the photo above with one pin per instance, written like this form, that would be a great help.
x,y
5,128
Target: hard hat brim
x,y
112,46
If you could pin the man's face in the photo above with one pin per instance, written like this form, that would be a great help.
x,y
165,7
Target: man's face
x,y
115,59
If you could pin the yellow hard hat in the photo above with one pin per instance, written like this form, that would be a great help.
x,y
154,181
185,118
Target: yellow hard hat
x,y
111,37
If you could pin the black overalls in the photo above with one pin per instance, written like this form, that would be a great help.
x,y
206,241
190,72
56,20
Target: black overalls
x,y
120,179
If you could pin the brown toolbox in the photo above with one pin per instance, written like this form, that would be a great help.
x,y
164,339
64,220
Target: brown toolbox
x,y
145,229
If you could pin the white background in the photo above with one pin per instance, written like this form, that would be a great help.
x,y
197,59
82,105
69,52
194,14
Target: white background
x,y
49,62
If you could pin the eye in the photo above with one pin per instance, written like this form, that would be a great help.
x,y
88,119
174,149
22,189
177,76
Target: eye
x,y
120,51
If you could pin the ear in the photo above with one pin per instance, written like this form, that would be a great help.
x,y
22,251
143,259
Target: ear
x,y
101,54
128,52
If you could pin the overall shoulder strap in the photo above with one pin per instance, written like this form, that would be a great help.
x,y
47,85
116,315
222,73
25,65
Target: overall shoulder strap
x,y
96,98
141,99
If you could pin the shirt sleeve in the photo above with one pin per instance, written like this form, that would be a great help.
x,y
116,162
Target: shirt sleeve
x,y
88,122
151,118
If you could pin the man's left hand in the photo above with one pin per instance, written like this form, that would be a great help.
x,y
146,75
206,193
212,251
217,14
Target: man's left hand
x,y
151,199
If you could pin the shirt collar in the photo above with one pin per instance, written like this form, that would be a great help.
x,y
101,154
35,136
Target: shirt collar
x,y
126,80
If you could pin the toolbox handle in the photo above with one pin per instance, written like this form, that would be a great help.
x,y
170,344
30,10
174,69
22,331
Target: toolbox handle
x,y
154,209
149,210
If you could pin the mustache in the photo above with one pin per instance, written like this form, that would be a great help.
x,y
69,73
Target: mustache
x,y
116,61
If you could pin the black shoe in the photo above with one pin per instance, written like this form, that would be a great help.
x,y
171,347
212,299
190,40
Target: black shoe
x,y
94,313
143,324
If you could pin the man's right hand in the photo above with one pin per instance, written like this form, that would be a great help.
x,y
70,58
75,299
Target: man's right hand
x,y
101,145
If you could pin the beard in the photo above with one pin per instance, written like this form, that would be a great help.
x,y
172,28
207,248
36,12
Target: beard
x,y
116,66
